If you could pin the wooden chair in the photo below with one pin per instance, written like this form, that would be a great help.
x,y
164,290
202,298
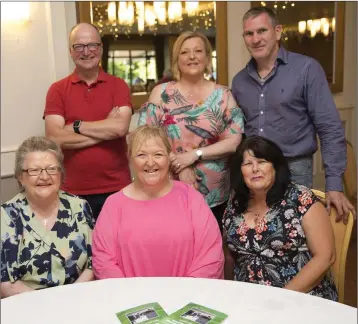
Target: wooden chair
x,y
350,175
342,236
350,182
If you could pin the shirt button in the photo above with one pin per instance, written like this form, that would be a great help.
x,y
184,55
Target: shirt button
x,y
262,95
261,112
88,89
261,130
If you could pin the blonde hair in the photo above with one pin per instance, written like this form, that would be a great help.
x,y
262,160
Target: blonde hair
x,y
37,144
177,47
143,133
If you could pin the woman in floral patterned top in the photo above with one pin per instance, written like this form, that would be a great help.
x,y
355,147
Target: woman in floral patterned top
x,y
276,232
202,120
46,233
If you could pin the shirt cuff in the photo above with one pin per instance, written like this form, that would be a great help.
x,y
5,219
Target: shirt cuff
x,y
334,184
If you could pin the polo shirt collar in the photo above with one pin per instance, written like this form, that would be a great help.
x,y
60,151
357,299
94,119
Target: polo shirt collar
x,y
102,76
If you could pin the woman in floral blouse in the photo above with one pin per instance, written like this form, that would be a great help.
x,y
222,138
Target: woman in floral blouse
x,y
201,118
276,232
46,233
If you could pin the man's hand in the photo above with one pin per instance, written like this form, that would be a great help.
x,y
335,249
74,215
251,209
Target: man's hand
x,y
181,161
342,204
115,112
115,125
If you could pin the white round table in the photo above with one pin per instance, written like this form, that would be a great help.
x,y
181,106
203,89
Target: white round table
x,y
97,302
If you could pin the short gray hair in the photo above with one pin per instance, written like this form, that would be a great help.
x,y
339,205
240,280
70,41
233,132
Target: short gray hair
x,y
37,144
257,11
74,29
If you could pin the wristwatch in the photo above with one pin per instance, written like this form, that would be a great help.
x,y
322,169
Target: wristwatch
x,y
76,126
199,153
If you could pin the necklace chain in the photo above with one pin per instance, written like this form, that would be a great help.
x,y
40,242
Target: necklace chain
x,y
46,220
256,216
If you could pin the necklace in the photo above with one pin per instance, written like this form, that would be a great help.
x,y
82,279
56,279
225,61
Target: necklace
x,y
256,218
46,220
53,211
194,91
267,75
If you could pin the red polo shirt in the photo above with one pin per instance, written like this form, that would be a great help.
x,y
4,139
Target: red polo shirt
x,y
101,168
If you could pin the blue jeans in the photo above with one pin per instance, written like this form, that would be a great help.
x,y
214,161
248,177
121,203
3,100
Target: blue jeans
x,y
301,170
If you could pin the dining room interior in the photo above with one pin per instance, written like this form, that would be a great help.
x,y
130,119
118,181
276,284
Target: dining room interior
x,y
138,39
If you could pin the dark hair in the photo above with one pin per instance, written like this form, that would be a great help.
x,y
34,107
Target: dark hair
x,y
263,149
257,11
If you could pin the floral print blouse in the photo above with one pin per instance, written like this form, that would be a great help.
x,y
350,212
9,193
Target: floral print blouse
x,y
276,249
44,258
192,125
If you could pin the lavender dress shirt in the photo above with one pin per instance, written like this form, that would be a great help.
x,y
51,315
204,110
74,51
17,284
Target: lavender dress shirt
x,y
290,107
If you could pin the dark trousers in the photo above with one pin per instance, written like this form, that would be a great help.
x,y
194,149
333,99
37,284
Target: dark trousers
x,y
96,202
218,212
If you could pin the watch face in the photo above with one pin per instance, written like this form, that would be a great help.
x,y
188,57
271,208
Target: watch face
x,y
199,153
76,126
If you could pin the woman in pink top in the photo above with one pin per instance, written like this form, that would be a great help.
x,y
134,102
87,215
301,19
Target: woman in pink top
x,y
156,227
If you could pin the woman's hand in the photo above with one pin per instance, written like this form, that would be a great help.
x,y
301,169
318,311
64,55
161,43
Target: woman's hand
x,y
188,176
13,288
182,160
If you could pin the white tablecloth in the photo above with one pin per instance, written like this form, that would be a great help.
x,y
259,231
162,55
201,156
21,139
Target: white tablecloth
x,y
97,302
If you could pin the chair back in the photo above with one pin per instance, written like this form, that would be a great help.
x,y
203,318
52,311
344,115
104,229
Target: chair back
x,y
342,236
350,175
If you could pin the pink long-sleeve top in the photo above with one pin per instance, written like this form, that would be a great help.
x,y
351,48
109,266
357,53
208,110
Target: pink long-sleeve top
x,y
172,236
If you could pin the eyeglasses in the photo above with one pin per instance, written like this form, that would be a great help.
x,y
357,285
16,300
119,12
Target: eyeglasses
x,y
36,172
81,47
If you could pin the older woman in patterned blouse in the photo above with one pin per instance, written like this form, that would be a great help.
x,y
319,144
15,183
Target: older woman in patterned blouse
x,y
276,232
202,120
45,232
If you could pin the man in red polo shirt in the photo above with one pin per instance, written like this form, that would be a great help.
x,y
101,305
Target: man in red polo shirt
x,y
88,114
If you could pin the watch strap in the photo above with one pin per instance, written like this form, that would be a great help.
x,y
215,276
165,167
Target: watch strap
x,y
76,126
199,153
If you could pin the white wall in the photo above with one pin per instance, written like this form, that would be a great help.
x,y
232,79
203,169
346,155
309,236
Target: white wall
x,y
33,56
238,56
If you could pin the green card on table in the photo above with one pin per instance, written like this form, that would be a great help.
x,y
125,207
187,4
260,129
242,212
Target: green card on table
x,y
153,313
150,313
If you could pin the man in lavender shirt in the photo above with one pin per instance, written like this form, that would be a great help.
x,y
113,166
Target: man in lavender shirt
x,y
285,97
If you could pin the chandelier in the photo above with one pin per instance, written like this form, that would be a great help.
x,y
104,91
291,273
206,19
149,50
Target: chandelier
x,y
131,17
314,26
311,27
